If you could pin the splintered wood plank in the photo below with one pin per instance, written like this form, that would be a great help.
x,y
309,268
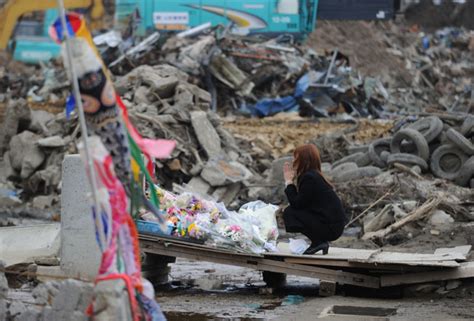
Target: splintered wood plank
x,y
376,267
462,250
465,270
414,259
335,253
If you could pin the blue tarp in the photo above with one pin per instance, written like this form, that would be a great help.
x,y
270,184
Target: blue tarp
x,y
268,106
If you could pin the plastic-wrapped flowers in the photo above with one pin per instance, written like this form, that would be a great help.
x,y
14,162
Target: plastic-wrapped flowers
x,y
252,229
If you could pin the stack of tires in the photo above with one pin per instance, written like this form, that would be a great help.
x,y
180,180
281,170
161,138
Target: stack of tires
x,y
425,145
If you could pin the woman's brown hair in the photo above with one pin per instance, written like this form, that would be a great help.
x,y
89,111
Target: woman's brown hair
x,y
306,158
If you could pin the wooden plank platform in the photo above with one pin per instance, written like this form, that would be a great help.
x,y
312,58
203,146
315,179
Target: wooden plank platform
x,y
365,268
256,262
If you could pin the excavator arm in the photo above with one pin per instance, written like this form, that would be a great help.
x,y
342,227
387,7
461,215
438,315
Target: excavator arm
x,y
14,9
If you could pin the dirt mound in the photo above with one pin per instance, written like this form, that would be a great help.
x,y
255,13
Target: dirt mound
x,y
364,43
448,14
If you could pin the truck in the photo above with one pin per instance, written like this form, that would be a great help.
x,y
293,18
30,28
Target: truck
x,y
29,41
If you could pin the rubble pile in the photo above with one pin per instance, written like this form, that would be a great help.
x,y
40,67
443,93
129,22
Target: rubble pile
x,y
163,103
174,92
33,144
263,77
68,299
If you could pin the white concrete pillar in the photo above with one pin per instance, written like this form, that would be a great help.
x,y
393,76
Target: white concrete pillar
x,y
80,254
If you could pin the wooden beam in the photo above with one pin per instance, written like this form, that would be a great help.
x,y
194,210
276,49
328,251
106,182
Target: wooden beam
x,y
466,270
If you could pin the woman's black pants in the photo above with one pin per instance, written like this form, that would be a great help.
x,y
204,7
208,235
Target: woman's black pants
x,y
307,223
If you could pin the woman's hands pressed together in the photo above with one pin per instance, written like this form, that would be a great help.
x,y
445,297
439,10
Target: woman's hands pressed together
x,y
288,173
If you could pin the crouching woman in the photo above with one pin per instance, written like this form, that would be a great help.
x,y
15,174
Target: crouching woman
x,y
315,210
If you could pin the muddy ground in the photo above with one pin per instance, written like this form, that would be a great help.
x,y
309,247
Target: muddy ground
x,y
238,298
207,291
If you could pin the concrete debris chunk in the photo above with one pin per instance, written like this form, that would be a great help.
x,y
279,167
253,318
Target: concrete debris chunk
x,y
17,111
440,218
40,119
206,134
111,301
25,155
53,141
218,172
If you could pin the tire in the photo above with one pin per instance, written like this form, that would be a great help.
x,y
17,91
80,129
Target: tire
x,y
466,173
363,160
408,159
456,159
358,173
353,158
358,149
274,280
413,136
376,149
344,167
429,127
467,127
457,139
384,156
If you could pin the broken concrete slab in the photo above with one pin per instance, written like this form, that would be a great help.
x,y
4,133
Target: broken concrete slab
x,y
206,134
25,155
218,172
226,71
29,242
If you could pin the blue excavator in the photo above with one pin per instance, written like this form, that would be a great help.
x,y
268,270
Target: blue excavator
x,y
27,38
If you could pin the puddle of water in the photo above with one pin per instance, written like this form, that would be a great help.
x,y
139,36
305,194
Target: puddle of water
x,y
364,311
186,316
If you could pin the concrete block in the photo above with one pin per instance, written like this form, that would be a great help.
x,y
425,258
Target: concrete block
x,y
80,254
111,301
